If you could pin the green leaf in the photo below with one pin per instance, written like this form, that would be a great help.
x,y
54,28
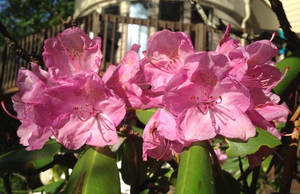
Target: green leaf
x,y
134,170
195,171
225,183
231,165
241,148
145,115
293,62
54,187
22,160
94,173
266,163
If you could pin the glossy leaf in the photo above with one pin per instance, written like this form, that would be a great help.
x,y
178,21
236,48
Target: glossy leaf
x,y
293,62
145,115
22,160
231,165
195,171
266,163
94,173
134,170
54,187
240,148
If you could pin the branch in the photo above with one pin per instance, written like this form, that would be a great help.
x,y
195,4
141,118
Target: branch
x,y
202,13
254,179
67,159
216,163
19,50
245,184
292,39
291,156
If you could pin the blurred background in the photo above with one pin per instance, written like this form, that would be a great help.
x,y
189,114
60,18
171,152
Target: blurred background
x,y
121,23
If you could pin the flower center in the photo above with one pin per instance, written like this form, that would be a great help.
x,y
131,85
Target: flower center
x,y
165,63
84,112
205,105
257,81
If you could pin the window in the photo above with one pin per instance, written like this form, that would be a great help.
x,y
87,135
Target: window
x,y
171,10
138,34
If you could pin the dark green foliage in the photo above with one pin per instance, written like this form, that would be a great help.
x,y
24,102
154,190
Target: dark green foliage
x,y
24,17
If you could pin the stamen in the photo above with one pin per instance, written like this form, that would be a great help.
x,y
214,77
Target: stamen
x,y
273,36
170,67
222,118
104,121
8,113
79,112
291,134
204,105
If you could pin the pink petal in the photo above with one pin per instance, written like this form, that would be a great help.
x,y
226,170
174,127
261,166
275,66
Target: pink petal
x,y
271,112
196,126
74,133
261,51
103,132
72,52
33,136
233,123
206,67
227,44
233,94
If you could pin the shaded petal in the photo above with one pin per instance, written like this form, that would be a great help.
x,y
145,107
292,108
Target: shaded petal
x,y
109,73
206,68
260,52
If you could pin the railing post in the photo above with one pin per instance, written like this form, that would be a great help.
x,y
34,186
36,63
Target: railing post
x,y
200,37
2,62
96,24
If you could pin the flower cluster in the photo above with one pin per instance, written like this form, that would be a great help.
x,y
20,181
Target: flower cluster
x,y
70,101
198,95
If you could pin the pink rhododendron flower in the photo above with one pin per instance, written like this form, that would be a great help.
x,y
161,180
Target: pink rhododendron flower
x,y
120,79
72,52
165,54
70,102
161,136
88,112
31,107
264,116
127,81
252,67
207,103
